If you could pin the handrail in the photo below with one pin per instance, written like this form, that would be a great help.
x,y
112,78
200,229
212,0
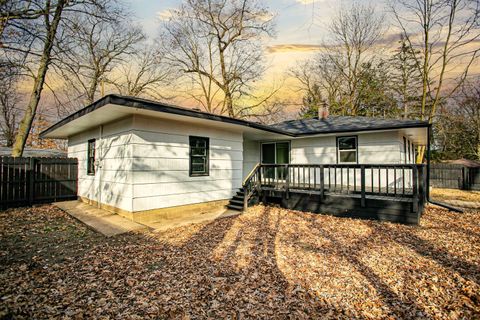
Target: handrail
x,y
250,175
357,180
345,165
251,184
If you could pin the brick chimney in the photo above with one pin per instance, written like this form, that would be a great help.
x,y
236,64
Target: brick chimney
x,y
323,111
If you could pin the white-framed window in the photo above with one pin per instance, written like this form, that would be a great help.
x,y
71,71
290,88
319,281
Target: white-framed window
x,y
347,149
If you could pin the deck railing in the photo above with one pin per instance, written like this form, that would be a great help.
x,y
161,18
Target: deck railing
x,y
360,180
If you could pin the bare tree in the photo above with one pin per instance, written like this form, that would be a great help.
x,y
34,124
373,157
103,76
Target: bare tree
x,y
457,124
97,44
217,43
145,74
446,32
337,69
9,103
32,32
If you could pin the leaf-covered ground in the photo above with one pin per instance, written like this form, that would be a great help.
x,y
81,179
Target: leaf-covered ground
x,y
455,194
267,263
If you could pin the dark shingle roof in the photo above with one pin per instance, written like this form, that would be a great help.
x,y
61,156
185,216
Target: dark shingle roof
x,y
33,152
344,124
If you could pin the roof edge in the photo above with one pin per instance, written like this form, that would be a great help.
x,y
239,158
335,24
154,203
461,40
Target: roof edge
x,y
139,103
145,104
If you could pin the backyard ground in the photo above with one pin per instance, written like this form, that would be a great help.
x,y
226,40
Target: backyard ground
x,y
267,263
455,194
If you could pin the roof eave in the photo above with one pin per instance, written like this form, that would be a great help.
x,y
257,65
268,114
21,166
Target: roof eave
x,y
307,134
159,107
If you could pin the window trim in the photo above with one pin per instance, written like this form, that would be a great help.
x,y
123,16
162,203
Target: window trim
x,y
356,149
207,155
91,164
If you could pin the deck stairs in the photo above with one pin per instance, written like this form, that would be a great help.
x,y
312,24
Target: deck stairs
x,y
236,202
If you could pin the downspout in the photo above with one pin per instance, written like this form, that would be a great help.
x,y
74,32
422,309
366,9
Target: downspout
x,y
440,204
100,166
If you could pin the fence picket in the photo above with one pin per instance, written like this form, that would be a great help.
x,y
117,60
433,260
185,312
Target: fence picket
x,y
26,181
454,176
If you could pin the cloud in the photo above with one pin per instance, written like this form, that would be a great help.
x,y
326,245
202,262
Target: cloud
x,y
293,47
165,14
308,1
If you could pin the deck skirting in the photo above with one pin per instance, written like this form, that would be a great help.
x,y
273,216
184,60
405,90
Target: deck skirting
x,y
384,209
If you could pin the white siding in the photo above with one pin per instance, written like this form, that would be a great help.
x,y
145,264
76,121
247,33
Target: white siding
x,y
112,182
373,148
160,170
251,156
379,147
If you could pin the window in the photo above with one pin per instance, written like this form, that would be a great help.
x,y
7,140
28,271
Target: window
x,y
347,149
199,156
91,157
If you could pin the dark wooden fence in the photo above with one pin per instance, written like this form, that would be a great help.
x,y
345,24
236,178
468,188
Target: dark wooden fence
x,y
454,176
26,181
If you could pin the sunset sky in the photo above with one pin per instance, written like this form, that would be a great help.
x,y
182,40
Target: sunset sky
x,y
300,26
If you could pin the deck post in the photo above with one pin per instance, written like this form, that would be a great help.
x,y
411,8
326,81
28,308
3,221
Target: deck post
x,y
245,198
421,184
322,182
415,188
362,184
259,182
287,182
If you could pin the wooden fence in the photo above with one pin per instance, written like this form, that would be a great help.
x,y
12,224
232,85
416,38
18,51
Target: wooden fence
x,y
454,176
26,181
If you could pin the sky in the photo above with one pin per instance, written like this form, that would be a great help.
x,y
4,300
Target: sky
x,y
300,26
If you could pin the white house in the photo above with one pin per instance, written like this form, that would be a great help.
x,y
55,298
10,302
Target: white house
x,y
137,155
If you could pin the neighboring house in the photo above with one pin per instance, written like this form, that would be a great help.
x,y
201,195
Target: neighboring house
x,y
137,155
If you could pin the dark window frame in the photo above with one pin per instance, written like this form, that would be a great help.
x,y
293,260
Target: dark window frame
x,y
356,149
91,159
206,172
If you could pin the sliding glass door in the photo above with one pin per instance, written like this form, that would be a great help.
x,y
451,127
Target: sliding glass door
x,y
276,153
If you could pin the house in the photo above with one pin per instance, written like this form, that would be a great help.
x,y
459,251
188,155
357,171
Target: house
x,y
138,157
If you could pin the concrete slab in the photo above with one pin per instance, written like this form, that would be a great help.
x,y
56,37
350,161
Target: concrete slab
x,y
163,223
102,221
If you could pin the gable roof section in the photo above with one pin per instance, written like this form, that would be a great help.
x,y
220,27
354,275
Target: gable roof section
x,y
337,124
293,128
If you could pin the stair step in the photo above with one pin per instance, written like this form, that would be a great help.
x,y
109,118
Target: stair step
x,y
240,193
240,198
236,202
234,207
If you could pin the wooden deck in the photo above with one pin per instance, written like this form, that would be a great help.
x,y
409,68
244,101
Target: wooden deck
x,y
385,192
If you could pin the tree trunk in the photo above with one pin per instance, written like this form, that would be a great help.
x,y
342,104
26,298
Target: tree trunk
x,y
26,123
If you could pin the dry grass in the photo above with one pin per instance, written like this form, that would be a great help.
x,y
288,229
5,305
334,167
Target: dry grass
x,y
454,194
267,263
